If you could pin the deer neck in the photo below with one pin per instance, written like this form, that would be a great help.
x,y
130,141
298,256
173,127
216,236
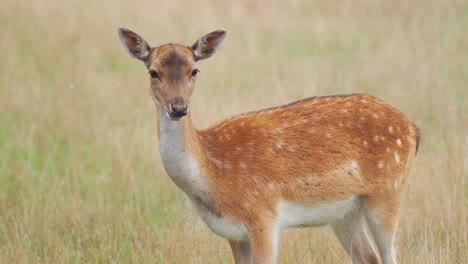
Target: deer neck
x,y
178,145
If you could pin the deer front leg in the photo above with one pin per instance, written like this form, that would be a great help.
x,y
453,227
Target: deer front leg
x,y
264,242
241,251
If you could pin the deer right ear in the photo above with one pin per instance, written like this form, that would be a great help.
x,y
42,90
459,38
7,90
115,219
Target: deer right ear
x,y
135,45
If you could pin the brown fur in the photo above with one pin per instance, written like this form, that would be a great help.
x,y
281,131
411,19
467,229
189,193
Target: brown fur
x,y
174,64
306,162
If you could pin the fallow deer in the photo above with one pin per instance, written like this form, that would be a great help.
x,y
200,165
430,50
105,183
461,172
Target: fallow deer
x,y
339,160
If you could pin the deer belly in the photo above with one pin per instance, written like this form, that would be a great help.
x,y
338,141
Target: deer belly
x,y
305,215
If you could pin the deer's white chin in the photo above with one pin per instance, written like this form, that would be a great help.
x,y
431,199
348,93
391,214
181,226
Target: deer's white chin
x,y
173,118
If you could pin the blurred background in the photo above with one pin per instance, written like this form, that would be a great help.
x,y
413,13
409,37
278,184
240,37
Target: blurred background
x,y
80,176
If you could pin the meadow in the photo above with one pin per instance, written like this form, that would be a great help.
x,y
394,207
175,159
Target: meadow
x,y
80,176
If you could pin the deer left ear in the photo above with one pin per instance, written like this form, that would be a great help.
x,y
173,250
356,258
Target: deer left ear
x,y
207,45
135,45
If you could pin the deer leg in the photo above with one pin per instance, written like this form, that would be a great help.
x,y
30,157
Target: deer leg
x,y
264,244
241,251
382,216
352,234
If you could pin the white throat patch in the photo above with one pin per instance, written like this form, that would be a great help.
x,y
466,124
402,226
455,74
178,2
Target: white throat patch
x,y
181,167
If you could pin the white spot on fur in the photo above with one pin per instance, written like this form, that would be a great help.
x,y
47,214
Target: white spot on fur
x,y
363,101
398,142
362,118
271,186
375,116
388,150
365,143
381,164
345,110
328,135
216,161
271,150
376,138
279,144
243,165
354,168
390,129
397,158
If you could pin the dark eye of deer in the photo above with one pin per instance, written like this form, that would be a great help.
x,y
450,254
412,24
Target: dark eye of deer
x,y
154,74
195,72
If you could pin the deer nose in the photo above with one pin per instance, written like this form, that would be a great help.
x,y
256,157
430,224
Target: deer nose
x,y
179,110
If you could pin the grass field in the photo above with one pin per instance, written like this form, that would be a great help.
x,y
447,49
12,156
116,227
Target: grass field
x,y
80,176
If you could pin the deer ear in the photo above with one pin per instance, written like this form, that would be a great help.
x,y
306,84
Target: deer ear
x,y
207,45
135,45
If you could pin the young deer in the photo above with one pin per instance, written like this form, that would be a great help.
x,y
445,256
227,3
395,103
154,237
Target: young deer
x,y
338,160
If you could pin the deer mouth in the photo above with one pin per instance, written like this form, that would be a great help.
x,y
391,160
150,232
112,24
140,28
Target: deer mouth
x,y
174,117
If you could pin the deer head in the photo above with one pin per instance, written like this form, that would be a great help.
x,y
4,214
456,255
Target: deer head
x,y
172,68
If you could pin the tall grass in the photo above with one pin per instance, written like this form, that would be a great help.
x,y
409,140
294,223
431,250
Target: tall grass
x,y
80,176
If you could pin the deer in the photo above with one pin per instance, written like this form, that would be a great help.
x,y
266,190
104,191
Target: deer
x,y
341,161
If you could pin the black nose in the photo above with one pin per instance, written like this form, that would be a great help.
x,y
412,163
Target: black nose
x,y
179,110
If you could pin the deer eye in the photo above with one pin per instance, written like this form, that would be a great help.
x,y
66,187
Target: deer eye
x,y
154,74
195,72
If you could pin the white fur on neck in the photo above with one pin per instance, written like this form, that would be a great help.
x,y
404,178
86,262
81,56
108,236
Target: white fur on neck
x,y
182,168
185,172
